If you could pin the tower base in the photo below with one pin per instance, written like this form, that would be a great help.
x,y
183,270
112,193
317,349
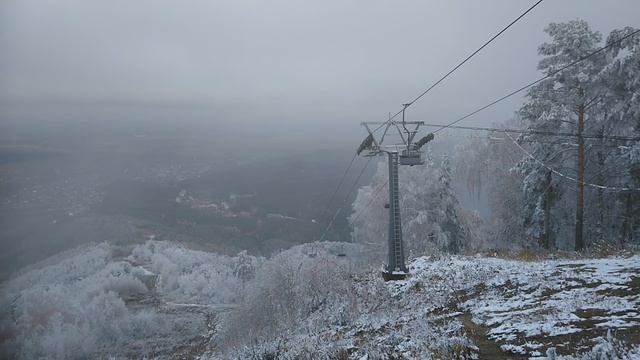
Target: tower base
x,y
393,275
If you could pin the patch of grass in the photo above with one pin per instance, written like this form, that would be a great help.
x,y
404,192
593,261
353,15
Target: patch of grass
x,y
487,349
535,254
519,255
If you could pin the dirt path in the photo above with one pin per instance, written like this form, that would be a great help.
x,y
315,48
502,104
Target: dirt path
x,y
487,349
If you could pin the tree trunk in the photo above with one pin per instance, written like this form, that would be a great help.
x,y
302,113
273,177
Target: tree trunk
x,y
626,224
601,206
546,236
580,194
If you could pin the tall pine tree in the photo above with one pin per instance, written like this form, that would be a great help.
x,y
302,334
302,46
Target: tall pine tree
x,y
560,103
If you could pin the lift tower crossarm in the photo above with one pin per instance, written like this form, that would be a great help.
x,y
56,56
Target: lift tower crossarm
x,y
392,122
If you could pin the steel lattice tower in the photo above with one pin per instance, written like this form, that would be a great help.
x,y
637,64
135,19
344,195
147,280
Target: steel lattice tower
x,y
405,153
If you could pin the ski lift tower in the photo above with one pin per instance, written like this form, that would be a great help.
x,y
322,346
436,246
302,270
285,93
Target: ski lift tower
x,y
405,152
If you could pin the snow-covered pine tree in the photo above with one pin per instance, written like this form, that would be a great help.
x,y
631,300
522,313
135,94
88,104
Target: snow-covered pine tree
x,y
620,114
560,104
541,188
449,205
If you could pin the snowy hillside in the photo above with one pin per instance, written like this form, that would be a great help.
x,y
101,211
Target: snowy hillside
x,y
314,301
528,307
472,307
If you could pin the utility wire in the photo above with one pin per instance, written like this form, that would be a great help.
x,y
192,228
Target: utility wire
x,y
523,131
506,131
556,143
375,196
537,132
539,80
335,192
615,188
346,198
450,125
459,65
446,76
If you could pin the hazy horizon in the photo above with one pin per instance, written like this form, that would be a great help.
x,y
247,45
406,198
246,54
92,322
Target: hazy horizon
x,y
331,63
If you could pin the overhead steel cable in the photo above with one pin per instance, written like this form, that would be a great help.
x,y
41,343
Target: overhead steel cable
x,y
405,106
527,131
524,88
539,80
537,132
346,198
374,197
597,186
335,192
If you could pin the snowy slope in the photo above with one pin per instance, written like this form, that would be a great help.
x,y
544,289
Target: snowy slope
x,y
528,307
471,307
162,300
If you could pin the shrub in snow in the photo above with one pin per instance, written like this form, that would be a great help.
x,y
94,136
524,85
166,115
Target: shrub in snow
x,y
287,290
609,348
186,275
75,308
313,307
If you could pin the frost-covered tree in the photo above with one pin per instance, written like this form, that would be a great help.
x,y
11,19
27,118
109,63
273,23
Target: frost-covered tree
x,y
560,104
486,163
619,163
429,208
448,218
369,219
289,289
598,95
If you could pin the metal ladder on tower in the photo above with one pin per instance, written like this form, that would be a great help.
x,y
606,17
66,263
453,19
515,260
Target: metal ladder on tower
x,y
397,222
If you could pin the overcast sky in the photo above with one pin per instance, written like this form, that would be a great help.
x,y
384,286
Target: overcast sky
x,y
332,61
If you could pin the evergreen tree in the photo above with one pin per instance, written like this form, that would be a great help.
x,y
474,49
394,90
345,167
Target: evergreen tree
x,y
620,164
560,103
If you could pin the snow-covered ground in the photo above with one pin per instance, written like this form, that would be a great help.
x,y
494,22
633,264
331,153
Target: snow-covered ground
x,y
471,307
162,300
528,307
